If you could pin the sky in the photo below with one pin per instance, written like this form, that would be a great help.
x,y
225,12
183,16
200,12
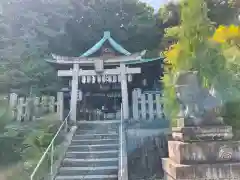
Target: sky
x,y
157,3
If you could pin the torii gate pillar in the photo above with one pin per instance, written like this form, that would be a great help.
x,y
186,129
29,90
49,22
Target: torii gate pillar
x,y
124,90
74,93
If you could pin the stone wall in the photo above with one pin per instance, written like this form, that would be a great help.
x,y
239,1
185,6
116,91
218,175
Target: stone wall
x,y
145,149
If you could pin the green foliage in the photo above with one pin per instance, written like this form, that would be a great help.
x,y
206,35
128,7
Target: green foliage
x,y
231,114
132,23
223,11
170,103
25,143
25,32
194,51
170,14
31,29
219,12
190,49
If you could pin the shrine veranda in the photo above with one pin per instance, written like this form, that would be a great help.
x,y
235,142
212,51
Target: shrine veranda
x,y
98,81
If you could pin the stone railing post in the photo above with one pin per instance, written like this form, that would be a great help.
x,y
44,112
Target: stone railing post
x,y
60,105
20,108
37,109
52,104
13,101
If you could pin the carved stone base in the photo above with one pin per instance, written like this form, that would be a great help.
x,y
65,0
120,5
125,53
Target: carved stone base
x,y
186,122
205,133
204,152
223,171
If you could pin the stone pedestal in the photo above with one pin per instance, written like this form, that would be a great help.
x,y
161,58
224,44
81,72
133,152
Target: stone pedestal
x,y
202,153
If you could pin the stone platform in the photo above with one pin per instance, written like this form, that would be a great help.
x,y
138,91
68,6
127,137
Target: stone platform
x,y
218,171
201,152
202,133
205,152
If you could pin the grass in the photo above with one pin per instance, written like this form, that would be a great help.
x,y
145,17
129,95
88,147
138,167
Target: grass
x,y
3,104
16,170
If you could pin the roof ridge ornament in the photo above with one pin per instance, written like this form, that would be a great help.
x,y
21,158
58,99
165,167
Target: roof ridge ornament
x,y
107,34
143,53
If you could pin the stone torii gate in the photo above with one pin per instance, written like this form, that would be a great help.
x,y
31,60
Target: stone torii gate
x,y
76,72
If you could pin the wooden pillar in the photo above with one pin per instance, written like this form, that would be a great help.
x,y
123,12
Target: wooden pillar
x,y
74,94
124,90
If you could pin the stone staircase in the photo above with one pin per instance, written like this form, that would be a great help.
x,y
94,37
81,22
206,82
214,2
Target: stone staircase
x,y
93,153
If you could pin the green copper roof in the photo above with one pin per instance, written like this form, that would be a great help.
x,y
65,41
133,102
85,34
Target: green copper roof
x,y
99,44
144,60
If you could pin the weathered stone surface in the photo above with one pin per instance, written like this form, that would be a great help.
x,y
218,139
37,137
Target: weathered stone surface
x,y
204,152
204,121
200,105
201,171
187,122
145,149
200,148
202,133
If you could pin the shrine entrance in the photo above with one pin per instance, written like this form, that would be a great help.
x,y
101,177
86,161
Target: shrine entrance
x,y
99,79
100,102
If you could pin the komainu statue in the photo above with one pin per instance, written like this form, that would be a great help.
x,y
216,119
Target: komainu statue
x,y
197,106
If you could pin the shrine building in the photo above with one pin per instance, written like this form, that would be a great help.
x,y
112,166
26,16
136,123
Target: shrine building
x,y
106,75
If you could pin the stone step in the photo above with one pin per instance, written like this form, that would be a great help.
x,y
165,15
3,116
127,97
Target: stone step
x,y
88,177
100,122
95,136
97,147
94,141
70,162
92,154
104,170
97,126
95,131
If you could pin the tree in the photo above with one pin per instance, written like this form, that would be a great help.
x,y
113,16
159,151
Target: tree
x,y
132,23
32,29
26,29
220,12
194,51
170,14
228,37
223,11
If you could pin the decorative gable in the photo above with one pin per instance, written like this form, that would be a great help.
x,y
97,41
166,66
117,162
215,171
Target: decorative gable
x,y
107,52
100,44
